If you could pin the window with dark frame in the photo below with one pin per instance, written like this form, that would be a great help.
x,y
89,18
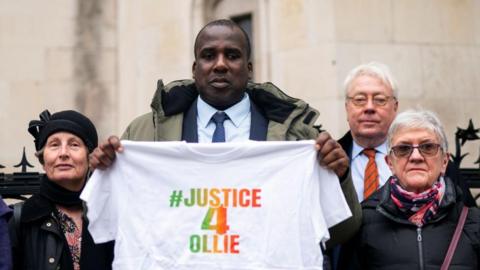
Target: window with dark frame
x,y
245,21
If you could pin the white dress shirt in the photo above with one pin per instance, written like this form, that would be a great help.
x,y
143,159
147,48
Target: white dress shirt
x,y
359,163
237,126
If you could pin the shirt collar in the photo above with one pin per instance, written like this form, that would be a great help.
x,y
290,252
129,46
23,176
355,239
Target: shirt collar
x,y
236,113
357,149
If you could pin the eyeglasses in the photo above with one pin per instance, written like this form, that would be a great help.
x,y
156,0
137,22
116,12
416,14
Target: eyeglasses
x,y
362,100
405,150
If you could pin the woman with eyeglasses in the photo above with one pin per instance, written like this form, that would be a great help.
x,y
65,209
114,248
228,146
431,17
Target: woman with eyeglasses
x,y
410,222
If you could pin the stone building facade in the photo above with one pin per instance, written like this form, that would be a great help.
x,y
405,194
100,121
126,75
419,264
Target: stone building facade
x,y
103,57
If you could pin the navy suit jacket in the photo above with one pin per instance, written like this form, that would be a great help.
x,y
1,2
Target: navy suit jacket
x,y
258,126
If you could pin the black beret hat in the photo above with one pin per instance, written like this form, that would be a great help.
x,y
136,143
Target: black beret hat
x,y
69,121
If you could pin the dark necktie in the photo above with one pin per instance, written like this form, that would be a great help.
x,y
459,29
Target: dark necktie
x,y
370,183
219,134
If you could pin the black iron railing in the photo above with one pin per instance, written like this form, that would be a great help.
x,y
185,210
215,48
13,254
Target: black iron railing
x,y
470,175
19,184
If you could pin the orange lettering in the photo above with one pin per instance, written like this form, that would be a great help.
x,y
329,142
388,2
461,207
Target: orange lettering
x,y
244,202
256,197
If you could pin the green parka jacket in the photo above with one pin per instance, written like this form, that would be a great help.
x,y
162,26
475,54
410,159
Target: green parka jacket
x,y
288,119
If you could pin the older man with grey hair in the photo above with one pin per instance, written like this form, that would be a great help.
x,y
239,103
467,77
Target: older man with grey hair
x,y
371,102
371,105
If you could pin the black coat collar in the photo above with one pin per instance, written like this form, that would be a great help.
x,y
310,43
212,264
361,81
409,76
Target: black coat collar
x,y
347,143
382,202
36,208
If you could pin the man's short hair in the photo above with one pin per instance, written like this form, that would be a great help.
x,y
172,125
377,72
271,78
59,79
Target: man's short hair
x,y
374,69
228,23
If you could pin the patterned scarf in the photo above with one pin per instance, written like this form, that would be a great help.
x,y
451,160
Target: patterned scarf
x,y
418,207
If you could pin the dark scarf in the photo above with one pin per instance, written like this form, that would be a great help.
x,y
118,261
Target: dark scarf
x,y
419,208
59,195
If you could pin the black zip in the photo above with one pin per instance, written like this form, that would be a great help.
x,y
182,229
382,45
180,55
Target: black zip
x,y
420,247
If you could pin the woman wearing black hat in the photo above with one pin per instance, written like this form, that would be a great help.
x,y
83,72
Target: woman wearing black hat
x,y
52,232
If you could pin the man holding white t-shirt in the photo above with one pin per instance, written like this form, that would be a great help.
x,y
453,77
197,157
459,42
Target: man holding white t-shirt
x,y
211,206
222,105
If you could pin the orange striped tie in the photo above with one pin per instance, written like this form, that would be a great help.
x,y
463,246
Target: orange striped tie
x,y
370,183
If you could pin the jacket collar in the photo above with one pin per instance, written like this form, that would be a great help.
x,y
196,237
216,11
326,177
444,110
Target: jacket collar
x,y
347,143
36,208
178,96
383,203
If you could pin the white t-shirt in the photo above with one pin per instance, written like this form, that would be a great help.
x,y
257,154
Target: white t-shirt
x,y
245,205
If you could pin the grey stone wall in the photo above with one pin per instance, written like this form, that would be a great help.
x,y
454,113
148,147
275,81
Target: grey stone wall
x,y
103,57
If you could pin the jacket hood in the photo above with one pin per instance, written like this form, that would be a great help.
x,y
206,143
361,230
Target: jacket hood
x,y
177,96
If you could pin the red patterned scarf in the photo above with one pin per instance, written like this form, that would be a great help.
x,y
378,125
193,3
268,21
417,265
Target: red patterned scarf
x,y
418,207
